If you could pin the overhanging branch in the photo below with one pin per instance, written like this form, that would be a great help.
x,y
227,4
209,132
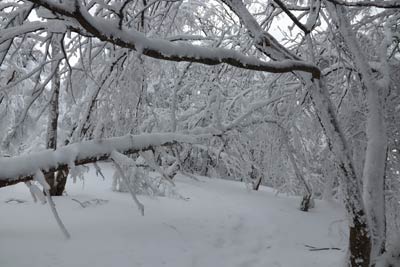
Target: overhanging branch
x,y
108,30
22,168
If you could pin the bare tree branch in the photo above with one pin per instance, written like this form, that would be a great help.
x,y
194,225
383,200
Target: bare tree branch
x,y
291,16
380,4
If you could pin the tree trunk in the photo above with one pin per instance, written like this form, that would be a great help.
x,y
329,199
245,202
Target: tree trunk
x,y
375,154
307,201
56,180
257,183
256,177
359,242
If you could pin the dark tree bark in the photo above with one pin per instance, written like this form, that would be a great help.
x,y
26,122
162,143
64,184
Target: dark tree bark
x,y
359,242
257,182
56,180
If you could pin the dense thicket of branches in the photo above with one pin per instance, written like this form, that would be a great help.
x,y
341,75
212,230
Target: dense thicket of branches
x,y
302,96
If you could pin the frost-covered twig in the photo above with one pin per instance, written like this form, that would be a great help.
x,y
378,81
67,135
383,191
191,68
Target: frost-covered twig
x,y
119,159
56,216
39,177
36,193
98,170
151,162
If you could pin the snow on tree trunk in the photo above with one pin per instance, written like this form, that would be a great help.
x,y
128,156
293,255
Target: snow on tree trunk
x,y
375,155
56,180
359,238
374,169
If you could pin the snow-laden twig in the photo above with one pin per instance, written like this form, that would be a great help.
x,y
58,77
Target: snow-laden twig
x,y
151,162
39,177
120,159
98,170
56,216
36,193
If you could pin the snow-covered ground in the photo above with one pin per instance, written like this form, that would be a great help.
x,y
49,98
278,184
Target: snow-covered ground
x,y
220,223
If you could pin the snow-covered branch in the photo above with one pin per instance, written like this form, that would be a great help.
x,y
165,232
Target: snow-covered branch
x,y
292,16
23,168
380,4
12,32
108,30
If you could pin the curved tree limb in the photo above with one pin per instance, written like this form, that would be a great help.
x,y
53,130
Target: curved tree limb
x,y
108,30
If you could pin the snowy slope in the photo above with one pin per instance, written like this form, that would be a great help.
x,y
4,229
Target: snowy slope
x,y
220,224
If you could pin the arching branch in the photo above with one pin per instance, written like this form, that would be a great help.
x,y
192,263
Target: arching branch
x,y
108,30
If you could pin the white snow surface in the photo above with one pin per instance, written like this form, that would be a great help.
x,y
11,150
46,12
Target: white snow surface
x,y
221,223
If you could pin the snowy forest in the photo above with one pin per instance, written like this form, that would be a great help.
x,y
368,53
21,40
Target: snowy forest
x,y
243,106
